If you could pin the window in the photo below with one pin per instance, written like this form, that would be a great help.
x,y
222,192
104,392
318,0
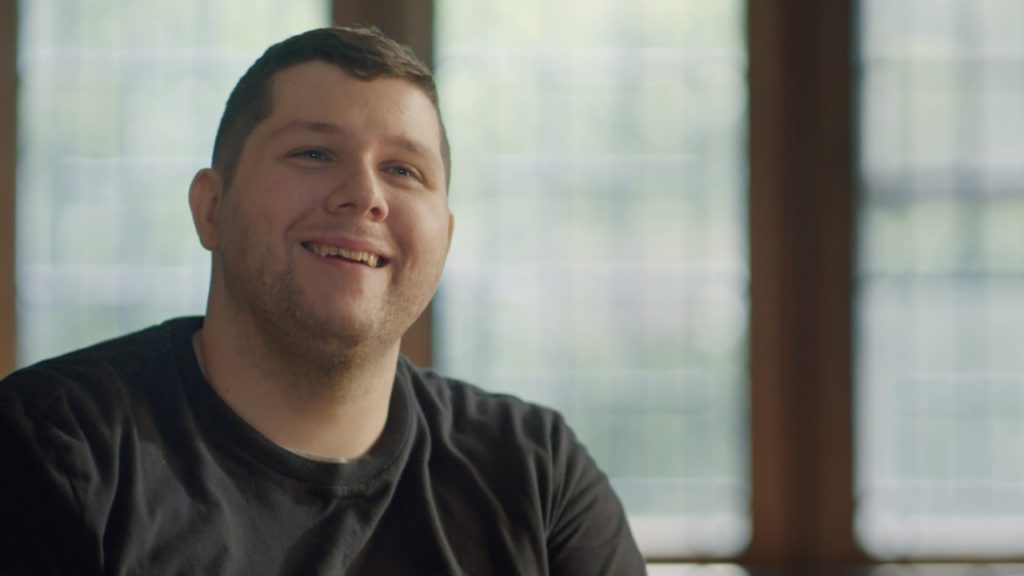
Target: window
x,y
599,263
940,276
118,107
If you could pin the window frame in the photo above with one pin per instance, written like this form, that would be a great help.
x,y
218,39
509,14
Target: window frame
x,y
8,181
802,209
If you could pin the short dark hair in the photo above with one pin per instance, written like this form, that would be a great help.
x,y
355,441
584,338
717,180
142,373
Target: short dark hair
x,y
364,52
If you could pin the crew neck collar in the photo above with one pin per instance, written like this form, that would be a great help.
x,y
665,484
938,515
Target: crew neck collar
x,y
222,427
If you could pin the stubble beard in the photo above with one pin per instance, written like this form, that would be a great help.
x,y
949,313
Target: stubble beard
x,y
314,347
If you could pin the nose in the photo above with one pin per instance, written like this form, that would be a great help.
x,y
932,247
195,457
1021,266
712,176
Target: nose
x,y
359,191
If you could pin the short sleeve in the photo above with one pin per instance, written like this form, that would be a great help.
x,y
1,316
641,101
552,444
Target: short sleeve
x,y
41,519
589,532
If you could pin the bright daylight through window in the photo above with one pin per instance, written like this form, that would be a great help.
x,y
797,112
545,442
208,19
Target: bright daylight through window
x,y
940,279
115,116
600,262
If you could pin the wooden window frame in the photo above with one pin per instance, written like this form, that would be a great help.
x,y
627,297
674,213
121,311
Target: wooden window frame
x,y
8,182
801,210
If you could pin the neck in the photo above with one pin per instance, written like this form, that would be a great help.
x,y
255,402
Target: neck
x,y
332,409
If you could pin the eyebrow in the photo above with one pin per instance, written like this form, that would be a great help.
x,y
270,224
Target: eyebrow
x,y
309,126
331,129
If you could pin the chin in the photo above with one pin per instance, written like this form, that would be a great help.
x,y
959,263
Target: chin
x,y
339,333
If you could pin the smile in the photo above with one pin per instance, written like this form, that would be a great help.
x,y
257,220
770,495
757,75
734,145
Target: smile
x,y
328,251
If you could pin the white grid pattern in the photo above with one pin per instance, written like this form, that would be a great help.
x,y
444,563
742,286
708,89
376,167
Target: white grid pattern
x,y
940,306
599,262
118,106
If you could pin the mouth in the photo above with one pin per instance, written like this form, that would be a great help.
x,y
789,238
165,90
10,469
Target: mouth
x,y
338,253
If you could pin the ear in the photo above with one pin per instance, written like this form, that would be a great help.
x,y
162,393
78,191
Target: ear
x,y
204,198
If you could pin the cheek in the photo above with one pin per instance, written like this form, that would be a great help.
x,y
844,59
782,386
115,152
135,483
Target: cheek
x,y
427,228
267,214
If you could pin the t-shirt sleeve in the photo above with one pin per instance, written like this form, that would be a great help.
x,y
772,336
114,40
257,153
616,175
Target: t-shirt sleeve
x,y
41,521
589,533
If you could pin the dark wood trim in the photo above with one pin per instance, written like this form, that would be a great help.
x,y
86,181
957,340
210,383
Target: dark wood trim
x,y
8,182
801,250
411,22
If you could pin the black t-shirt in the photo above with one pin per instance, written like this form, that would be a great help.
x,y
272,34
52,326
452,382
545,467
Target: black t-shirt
x,y
121,459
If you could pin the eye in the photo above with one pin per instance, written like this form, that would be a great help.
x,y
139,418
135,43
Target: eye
x,y
403,171
311,154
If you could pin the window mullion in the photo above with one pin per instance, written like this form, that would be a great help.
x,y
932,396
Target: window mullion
x,y
801,212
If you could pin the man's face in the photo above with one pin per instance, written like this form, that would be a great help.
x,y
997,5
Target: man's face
x,y
336,226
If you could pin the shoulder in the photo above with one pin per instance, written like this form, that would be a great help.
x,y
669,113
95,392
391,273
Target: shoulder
x,y
507,443
67,419
94,382
468,411
526,457
66,422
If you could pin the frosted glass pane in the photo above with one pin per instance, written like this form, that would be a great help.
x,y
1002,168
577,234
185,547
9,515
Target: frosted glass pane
x,y
599,263
940,279
118,105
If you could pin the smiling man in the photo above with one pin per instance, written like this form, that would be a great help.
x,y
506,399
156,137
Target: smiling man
x,y
283,433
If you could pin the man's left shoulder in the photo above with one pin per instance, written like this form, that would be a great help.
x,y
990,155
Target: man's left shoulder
x,y
533,470
467,409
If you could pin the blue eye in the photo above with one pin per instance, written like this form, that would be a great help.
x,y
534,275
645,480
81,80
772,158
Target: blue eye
x,y
403,171
312,154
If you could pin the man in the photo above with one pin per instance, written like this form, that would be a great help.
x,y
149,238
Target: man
x,y
283,432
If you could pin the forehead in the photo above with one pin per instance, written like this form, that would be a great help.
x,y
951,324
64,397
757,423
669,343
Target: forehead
x,y
321,93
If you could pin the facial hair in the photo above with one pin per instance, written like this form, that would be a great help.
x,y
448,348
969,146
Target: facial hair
x,y
309,344
312,346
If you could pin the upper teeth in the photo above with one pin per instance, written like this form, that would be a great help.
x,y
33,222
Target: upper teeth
x,y
356,255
